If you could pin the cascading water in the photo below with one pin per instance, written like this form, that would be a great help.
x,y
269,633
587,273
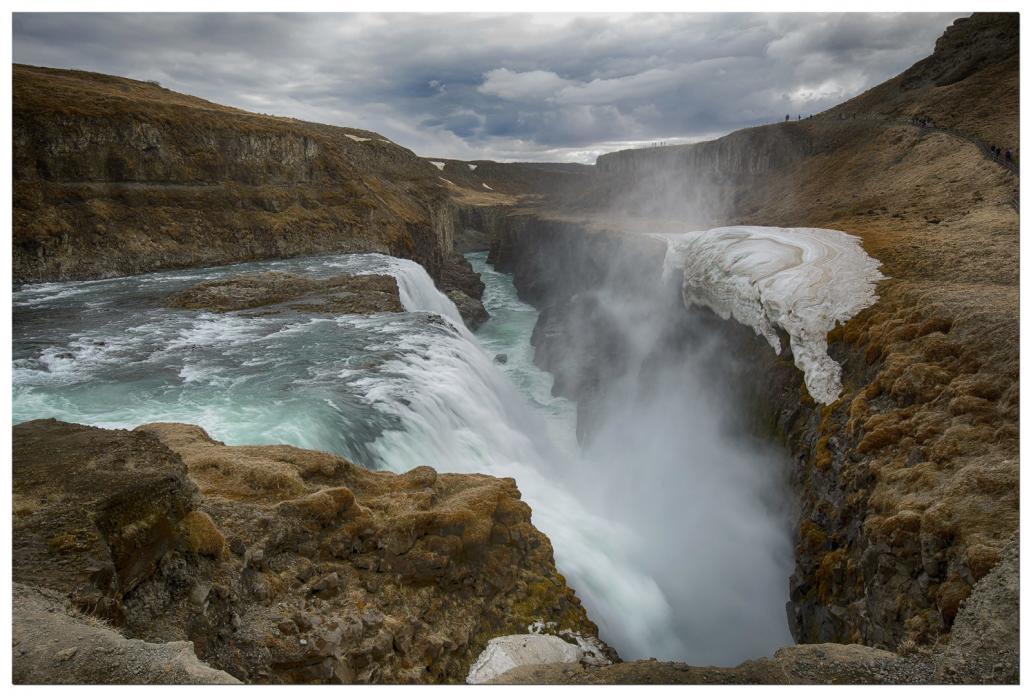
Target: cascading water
x,y
646,523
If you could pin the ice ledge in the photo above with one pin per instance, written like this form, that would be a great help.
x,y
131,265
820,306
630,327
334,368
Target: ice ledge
x,y
803,280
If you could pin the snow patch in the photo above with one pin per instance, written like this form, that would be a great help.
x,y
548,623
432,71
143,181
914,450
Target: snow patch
x,y
438,165
487,187
803,280
508,652
593,649
472,167
356,138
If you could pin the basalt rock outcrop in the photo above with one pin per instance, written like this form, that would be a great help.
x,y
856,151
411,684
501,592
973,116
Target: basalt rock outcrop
x,y
279,565
464,287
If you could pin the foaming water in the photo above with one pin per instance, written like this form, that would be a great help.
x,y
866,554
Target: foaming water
x,y
701,507
627,517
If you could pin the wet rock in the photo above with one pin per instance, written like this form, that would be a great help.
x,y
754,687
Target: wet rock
x,y
501,358
341,294
471,310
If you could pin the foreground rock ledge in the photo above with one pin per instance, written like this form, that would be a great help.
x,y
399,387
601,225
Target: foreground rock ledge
x,y
162,556
280,565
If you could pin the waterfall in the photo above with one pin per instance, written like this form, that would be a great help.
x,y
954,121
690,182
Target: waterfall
x,y
458,413
662,523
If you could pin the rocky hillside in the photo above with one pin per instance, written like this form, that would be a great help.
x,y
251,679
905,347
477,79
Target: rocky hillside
x,y
908,484
969,84
280,565
114,176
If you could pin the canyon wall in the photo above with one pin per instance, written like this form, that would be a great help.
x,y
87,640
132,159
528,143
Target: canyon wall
x,y
908,483
885,554
114,176
748,152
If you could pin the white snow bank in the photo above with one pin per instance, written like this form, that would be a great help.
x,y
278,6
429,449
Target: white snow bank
x,y
803,280
487,187
356,138
473,167
438,165
507,652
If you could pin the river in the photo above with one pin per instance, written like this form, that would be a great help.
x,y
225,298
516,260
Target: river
x,y
650,536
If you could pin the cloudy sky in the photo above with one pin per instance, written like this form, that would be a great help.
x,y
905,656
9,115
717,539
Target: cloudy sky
x,y
506,87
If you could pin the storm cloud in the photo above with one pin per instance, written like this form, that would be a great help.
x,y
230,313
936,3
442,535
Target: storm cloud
x,y
506,87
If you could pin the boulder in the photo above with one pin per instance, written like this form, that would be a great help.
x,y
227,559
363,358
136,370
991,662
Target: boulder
x,y
470,309
94,510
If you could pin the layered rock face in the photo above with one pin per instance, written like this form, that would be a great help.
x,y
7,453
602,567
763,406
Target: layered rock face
x,y
280,565
114,176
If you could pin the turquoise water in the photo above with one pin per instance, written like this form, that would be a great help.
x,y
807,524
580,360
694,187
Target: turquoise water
x,y
508,333
646,522
107,353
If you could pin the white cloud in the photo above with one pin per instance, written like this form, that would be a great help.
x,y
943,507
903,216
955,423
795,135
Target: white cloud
x,y
524,86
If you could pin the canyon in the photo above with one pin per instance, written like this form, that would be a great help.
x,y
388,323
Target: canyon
x,y
282,564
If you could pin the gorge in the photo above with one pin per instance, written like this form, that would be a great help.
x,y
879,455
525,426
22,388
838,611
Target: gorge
x,y
430,371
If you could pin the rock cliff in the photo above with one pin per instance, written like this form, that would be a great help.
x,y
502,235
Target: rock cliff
x,y
114,176
280,565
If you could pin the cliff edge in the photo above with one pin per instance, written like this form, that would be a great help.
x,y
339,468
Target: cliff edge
x,y
279,565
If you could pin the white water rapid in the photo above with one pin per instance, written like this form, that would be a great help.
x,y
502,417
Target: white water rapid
x,y
670,532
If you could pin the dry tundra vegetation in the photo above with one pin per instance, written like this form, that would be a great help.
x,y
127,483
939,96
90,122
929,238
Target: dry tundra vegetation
x,y
908,484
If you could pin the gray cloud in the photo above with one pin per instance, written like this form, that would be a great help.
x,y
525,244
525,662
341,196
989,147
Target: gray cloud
x,y
508,87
